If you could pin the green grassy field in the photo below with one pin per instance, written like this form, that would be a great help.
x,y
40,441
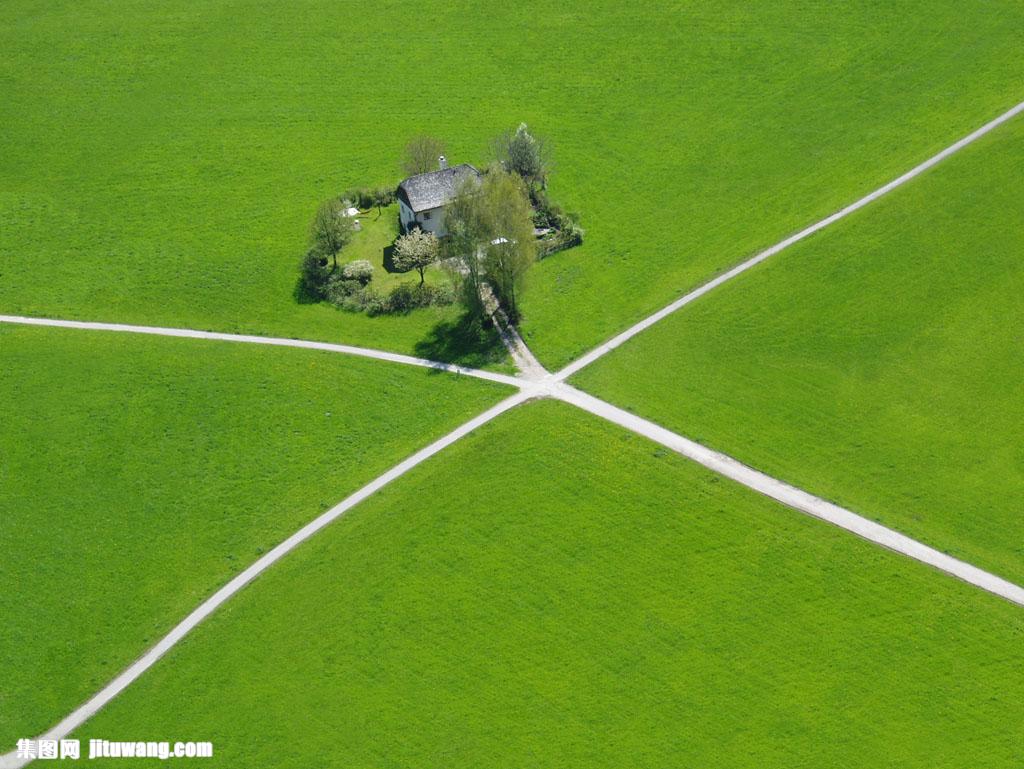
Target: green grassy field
x,y
162,160
138,474
877,364
550,591
581,598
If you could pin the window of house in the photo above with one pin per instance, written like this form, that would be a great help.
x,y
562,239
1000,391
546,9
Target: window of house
x,y
426,216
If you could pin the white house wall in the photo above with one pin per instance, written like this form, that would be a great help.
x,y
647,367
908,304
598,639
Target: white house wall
x,y
435,223
405,215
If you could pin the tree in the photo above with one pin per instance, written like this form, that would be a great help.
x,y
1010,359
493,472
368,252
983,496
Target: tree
x,y
416,251
314,275
491,235
512,249
331,230
467,232
385,196
421,155
525,154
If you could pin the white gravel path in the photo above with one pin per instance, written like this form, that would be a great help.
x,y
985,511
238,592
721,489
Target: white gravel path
x,y
537,383
629,333
713,460
529,367
345,349
211,604
792,496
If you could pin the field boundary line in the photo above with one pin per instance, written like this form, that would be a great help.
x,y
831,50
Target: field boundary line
x,y
272,341
791,496
81,714
606,347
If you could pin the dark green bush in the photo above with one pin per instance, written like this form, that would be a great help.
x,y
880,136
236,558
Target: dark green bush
x,y
355,296
402,299
406,297
385,195
343,293
568,235
547,215
370,197
313,274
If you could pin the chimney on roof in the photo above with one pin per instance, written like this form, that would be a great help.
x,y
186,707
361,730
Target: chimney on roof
x,y
442,162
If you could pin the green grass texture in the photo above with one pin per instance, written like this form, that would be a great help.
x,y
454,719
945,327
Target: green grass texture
x,y
553,591
137,475
877,364
162,160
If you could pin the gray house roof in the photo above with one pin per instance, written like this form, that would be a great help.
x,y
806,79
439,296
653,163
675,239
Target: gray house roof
x,y
435,188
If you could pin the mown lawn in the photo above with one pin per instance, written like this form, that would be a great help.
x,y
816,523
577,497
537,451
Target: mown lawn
x,y
555,592
162,159
878,364
138,474
373,243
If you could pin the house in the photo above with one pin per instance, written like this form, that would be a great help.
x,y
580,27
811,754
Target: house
x,y
422,198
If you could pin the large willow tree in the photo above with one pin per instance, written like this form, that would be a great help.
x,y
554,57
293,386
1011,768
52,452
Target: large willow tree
x,y
491,235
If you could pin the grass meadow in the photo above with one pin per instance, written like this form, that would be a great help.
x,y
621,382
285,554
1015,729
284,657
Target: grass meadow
x,y
580,598
162,160
137,475
550,591
877,364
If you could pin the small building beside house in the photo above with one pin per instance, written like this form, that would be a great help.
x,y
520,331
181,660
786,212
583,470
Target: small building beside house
x,y
422,198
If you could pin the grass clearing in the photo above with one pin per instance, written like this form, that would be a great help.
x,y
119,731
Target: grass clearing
x,y
139,474
162,161
579,597
877,364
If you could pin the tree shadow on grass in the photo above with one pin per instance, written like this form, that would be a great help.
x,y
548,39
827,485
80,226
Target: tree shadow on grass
x,y
303,294
389,259
465,341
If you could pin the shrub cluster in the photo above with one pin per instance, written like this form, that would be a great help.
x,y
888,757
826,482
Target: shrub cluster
x,y
370,197
567,232
360,271
568,236
405,297
313,274
347,293
350,289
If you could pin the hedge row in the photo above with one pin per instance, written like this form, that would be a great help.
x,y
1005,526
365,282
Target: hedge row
x,y
370,197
